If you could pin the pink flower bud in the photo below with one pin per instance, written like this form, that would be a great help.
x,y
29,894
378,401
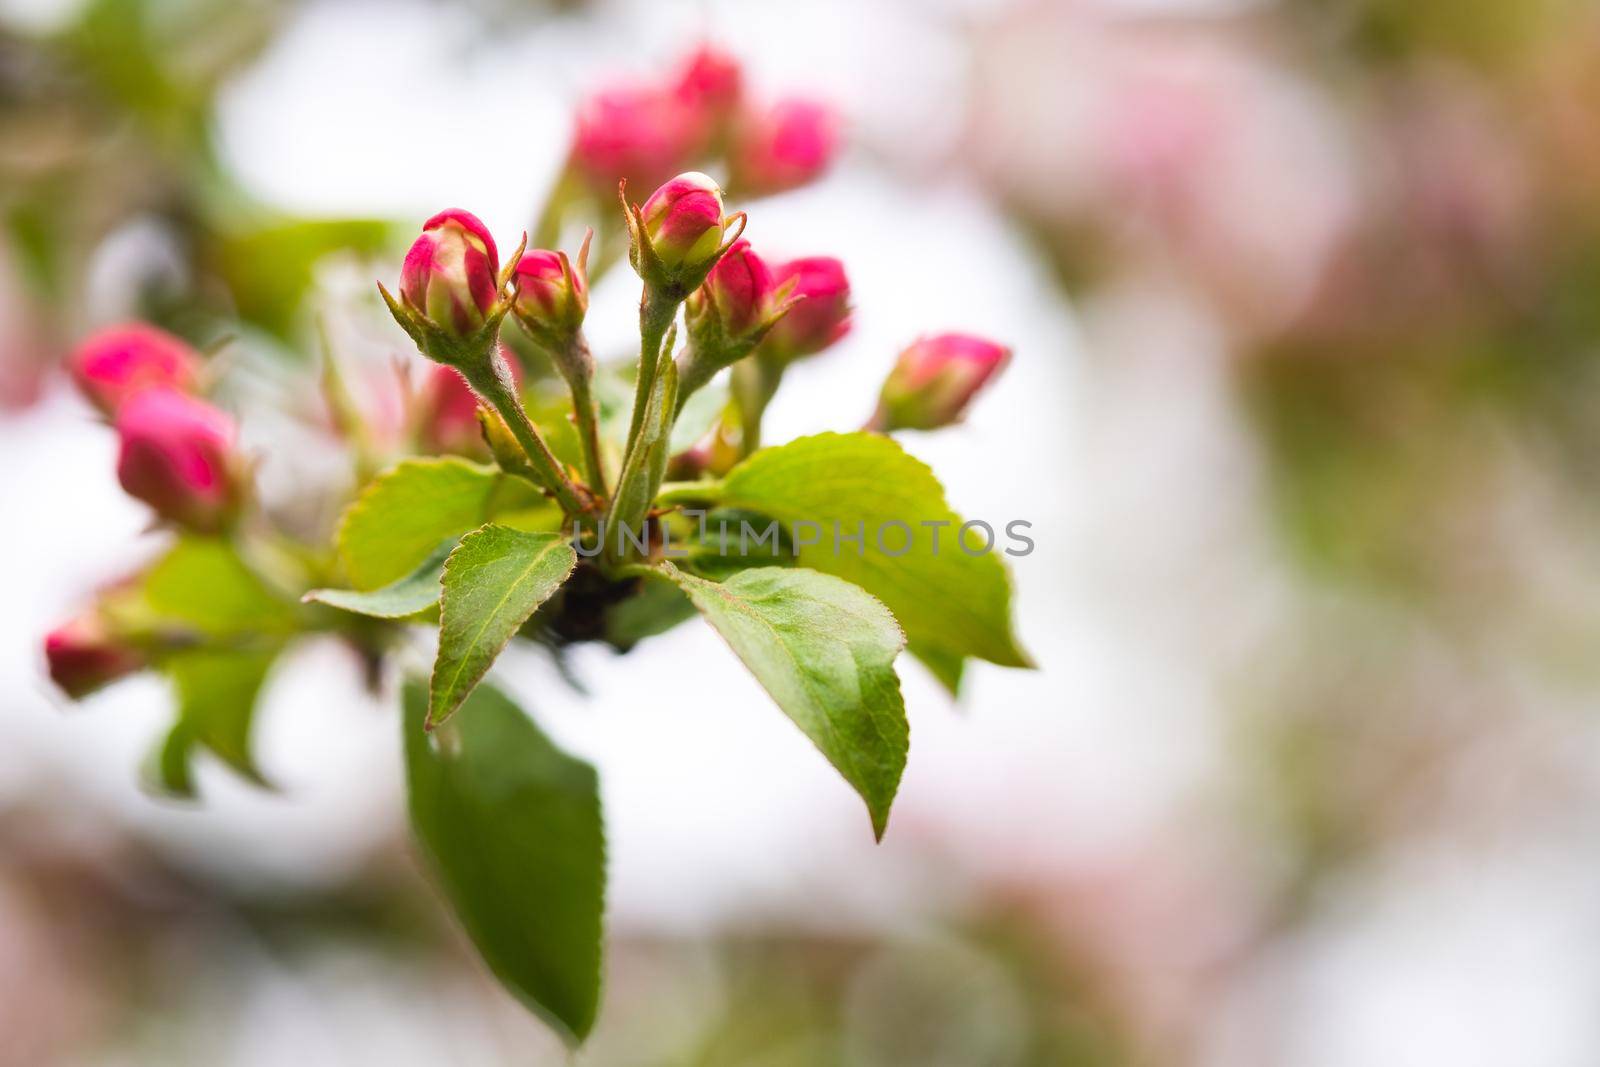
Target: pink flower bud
x,y
709,81
550,294
177,455
739,287
450,411
641,133
683,219
818,320
452,273
784,148
935,379
83,656
115,363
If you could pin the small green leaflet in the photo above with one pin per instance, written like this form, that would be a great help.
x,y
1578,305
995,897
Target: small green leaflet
x,y
403,514
512,829
945,598
824,649
216,691
947,668
492,582
416,592
656,608
270,268
203,583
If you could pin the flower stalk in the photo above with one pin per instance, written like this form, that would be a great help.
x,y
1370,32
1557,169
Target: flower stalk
x,y
674,241
460,328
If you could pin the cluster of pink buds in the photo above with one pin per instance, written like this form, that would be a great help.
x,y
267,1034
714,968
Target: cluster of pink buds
x,y
453,298
701,115
176,453
471,549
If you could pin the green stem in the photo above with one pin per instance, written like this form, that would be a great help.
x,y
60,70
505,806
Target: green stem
x,y
755,383
656,312
638,570
499,393
347,418
878,422
673,493
578,369
583,406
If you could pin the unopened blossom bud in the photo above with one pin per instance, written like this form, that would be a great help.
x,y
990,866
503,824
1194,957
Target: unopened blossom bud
x,y
83,656
642,133
783,148
935,379
552,298
731,311
822,315
115,363
450,411
452,273
709,81
177,455
738,291
683,220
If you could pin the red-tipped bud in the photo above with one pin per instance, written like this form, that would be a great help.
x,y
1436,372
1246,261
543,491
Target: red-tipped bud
x,y
821,316
83,656
683,220
177,455
739,289
450,411
787,146
935,379
709,81
551,295
452,273
115,363
640,133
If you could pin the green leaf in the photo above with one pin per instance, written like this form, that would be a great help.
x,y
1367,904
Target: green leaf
x,y
416,592
944,597
722,553
492,582
825,651
202,582
512,829
216,692
947,668
167,769
403,515
656,608
271,267
699,414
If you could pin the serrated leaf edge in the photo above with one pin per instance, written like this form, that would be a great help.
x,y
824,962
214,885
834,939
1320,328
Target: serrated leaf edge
x,y
1025,660
879,826
363,499
434,718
